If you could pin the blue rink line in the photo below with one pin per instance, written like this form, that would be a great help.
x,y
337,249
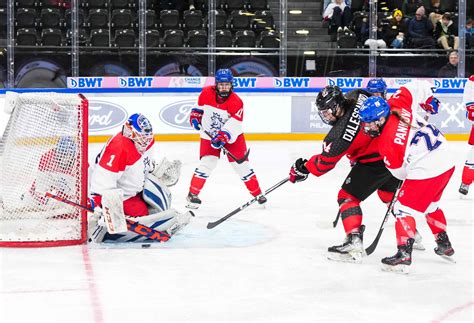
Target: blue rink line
x,y
192,90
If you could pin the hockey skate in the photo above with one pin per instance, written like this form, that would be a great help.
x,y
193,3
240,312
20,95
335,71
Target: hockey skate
x,y
193,201
352,250
444,248
464,189
96,227
418,245
401,261
261,199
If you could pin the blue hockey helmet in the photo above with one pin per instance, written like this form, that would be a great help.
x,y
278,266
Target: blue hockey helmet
x,y
377,86
224,75
138,128
371,111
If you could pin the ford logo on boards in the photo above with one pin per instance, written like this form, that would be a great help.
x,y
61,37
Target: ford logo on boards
x,y
105,115
177,114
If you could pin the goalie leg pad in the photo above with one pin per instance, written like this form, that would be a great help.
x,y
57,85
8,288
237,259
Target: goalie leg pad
x,y
156,194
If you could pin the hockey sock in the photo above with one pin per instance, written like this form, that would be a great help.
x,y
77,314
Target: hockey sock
x,y
202,173
351,213
385,196
253,186
468,170
197,183
405,228
436,221
247,175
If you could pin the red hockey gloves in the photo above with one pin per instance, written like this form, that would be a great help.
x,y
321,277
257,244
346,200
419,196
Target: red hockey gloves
x,y
298,171
195,118
220,139
94,201
470,110
431,105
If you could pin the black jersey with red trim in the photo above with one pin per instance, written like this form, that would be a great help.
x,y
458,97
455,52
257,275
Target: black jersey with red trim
x,y
346,138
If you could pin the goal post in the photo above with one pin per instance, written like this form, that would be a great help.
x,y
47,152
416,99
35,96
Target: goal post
x,y
43,149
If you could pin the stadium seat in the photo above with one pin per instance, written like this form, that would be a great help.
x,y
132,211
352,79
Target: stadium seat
x,y
173,38
68,15
50,17
263,20
23,3
255,5
231,5
3,18
50,3
151,19
83,37
124,38
26,37
122,18
97,3
223,38
121,4
221,19
245,38
51,37
192,19
197,38
240,20
98,18
169,19
100,38
152,38
25,17
269,39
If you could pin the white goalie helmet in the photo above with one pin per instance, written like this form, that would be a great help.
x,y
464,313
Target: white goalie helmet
x,y
138,128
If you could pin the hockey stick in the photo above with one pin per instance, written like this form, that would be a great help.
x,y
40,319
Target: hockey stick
x,y
238,161
370,249
334,223
132,226
211,225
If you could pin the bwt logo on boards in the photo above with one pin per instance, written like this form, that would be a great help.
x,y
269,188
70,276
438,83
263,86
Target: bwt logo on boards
x,y
86,82
177,114
135,82
291,82
346,82
105,115
450,83
245,82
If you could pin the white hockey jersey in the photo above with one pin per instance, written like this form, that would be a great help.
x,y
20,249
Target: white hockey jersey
x,y
411,147
120,165
468,96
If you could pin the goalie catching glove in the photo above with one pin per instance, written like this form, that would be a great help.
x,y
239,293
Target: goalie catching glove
x,y
166,171
298,171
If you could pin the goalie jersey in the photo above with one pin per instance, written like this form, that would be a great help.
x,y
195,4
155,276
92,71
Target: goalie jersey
x,y
120,165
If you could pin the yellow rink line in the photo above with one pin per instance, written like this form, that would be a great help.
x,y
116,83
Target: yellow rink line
x,y
260,136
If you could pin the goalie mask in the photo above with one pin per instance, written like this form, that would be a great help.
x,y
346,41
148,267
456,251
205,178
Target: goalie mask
x,y
138,128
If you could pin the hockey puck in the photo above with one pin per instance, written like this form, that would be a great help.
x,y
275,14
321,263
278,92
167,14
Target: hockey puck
x,y
146,245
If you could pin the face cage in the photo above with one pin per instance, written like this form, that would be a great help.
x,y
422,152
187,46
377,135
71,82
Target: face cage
x,y
141,140
371,132
324,116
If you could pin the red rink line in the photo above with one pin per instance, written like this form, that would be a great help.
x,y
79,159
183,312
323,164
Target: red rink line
x,y
92,288
452,312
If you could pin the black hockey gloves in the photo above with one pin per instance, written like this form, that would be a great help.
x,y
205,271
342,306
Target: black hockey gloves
x,y
298,171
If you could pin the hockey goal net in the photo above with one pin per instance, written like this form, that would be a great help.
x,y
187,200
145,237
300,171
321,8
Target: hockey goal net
x,y
43,149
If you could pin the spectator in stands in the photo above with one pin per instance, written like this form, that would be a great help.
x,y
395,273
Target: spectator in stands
x,y
339,15
410,7
446,33
420,30
327,2
469,33
450,70
395,4
435,11
396,30
372,43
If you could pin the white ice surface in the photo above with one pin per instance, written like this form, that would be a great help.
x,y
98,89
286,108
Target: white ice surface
x,y
260,265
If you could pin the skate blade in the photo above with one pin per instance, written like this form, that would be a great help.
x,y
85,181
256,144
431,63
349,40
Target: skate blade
x,y
398,269
192,206
355,258
448,258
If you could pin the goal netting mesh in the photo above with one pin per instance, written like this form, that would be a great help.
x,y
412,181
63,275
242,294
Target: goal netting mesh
x,y
43,149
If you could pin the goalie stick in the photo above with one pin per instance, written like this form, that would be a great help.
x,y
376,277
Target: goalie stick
x,y
211,225
238,161
132,226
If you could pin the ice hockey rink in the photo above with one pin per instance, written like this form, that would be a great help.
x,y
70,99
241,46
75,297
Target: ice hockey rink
x,y
260,265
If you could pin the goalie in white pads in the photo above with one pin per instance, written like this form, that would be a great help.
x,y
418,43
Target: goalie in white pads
x,y
126,163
